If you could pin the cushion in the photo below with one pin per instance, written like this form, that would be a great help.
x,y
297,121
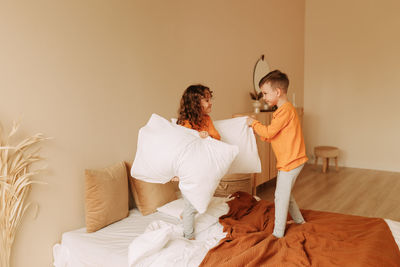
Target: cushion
x,y
106,196
236,132
173,208
216,208
165,150
149,196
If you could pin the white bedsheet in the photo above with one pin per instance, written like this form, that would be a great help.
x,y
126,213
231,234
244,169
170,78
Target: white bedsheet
x,y
395,229
163,245
153,240
109,246
106,247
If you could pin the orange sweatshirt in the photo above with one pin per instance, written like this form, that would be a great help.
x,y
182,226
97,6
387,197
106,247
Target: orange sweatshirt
x,y
209,127
286,137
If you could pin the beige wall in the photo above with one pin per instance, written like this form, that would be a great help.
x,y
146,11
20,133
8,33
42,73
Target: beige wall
x,y
90,73
352,80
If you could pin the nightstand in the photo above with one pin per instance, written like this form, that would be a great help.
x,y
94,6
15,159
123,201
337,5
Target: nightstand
x,y
232,183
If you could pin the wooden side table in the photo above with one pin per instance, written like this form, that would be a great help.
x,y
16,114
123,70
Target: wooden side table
x,y
326,152
232,183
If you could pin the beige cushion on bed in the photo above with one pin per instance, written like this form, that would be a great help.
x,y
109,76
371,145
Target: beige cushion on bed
x,y
149,196
106,196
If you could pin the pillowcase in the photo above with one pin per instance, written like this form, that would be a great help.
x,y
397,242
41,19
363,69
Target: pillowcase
x,y
106,196
236,132
165,150
149,196
173,208
216,208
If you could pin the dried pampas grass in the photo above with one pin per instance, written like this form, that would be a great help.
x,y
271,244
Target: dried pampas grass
x,y
15,183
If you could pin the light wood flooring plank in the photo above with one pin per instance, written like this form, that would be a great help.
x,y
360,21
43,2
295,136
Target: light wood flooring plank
x,y
353,191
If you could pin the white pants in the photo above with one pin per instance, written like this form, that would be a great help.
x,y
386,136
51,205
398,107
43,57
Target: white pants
x,y
285,202
188,216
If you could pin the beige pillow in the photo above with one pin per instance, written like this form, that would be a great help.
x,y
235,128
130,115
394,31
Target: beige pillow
x,y
106,196
149,196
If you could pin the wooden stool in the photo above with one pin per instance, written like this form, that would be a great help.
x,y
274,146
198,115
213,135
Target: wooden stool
x,y
326,152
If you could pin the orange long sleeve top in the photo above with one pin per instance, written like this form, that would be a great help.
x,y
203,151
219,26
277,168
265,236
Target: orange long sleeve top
x,y
286,137
208,127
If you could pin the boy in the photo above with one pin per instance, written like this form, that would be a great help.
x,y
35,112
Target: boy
x,y
286,138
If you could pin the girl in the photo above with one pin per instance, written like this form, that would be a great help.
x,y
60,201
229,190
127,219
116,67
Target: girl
x,y
193,113
194,109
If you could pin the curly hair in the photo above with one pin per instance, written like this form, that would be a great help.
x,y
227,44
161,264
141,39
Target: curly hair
x,y
190,106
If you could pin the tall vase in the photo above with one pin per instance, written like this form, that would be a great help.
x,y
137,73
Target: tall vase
x,y
15,184
256,106
5,254
265,106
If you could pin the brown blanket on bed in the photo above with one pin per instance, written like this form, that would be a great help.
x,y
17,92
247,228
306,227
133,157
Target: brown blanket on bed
x,y
327,239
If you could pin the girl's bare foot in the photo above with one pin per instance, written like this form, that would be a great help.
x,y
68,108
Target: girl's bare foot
x,y
292,221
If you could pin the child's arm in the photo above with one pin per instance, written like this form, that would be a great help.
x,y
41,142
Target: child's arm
x,y
250,123
212,131
268,132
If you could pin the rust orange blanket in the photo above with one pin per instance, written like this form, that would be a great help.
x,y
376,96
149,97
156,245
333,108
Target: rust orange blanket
x,y
327,239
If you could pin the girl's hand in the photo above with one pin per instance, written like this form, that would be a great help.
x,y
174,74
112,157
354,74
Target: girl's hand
x,y
249,121
203,134
175,179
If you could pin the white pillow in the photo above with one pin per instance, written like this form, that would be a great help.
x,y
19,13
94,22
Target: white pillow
x,y
173,208
216,209
165,150
236,132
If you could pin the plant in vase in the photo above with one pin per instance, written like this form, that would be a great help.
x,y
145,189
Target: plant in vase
x,y
256,97
265,105
15,184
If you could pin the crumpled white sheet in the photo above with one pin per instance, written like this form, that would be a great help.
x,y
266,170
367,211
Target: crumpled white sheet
x,y
163,244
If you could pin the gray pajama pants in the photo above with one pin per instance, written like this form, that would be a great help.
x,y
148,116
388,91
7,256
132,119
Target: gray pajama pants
x,y
188,215
285,202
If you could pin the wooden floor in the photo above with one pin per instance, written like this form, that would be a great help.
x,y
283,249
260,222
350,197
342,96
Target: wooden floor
x,y
361,192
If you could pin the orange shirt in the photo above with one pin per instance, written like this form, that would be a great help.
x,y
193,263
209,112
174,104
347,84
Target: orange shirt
x,y
286,137
208,127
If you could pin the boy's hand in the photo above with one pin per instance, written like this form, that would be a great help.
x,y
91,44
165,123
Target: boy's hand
x,y
203,134
249,121
175,179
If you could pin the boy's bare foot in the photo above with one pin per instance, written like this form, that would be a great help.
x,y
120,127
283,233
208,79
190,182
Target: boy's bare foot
x,y
290,222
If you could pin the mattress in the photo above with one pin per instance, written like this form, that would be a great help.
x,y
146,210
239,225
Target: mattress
x,y
112,245
106,247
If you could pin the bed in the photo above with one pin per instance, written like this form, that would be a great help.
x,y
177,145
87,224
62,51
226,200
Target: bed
x,y
111,246
155,239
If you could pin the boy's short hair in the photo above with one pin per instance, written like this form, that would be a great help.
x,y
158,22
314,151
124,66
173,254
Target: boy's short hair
x,y
277,79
